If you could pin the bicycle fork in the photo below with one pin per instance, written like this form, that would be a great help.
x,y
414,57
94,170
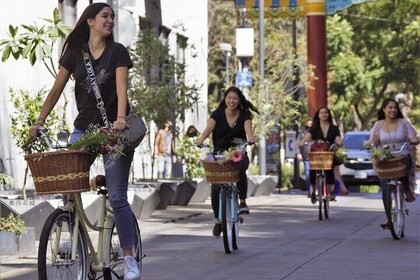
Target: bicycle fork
x,y
231,193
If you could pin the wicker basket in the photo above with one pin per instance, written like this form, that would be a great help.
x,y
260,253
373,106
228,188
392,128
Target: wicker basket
x,y
218,172
321,160
60,171
391,168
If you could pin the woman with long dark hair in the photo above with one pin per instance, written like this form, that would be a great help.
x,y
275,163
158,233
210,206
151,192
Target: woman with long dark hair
x,y
110,61
393,130
322,129
232,120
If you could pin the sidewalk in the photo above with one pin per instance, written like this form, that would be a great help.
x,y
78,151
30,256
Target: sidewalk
x,y
282,238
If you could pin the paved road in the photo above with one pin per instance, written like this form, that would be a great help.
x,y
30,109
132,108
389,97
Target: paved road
x,y
281,239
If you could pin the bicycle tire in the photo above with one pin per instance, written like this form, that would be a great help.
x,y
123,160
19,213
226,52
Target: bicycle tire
x,y
116,253
318,184
327,208
57,234
227,225
235,226
396,214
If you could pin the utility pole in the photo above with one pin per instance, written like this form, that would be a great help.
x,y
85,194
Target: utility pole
x,y
296,97
262,143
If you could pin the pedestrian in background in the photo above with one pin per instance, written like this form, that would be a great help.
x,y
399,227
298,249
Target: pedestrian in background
x,y
303,154
191,132
93,34
231,120
164,150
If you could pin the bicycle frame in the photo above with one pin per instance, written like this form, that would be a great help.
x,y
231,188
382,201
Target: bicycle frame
x,y
100,258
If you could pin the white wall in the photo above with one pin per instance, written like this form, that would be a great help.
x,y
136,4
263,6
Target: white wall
x,y
192,14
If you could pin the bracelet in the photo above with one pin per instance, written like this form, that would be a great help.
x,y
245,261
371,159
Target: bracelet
x,y
121,117
41,119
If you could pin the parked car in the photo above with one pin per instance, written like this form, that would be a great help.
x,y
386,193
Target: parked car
x,y
357,168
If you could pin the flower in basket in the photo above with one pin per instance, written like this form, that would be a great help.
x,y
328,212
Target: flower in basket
x,y
101,141
380,153
235,154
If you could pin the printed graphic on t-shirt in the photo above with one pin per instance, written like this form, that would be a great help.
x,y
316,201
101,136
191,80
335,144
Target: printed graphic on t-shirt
x,y
100,79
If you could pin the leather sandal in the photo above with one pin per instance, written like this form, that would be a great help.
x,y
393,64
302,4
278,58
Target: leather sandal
x,y
386,225
410,196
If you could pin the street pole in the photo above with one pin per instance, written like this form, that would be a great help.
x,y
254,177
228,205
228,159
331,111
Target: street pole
x,y
296,97
262,142
227,69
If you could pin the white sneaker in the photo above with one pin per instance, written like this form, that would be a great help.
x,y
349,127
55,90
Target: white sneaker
x,y
131,268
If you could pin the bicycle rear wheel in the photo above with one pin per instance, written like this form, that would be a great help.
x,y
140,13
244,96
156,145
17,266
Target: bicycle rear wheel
x,y
397,215
56,258
116,253
227,224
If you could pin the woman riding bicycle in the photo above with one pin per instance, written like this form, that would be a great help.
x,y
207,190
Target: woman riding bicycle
x,y
111,61
322,131
231,120
394,131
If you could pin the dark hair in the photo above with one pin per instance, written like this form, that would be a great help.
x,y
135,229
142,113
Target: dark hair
x,y
79,36
381,114
316,120
244,104
190,133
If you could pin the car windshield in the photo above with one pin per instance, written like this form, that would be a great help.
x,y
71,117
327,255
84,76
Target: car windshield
x,y
355,142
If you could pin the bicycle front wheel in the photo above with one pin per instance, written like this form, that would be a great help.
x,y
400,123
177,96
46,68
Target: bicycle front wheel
x,y
397,215
116,254
319,185
57,258
227,223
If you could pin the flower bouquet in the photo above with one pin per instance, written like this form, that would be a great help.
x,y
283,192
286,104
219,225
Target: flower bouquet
x,y
380,153
101,141
223,167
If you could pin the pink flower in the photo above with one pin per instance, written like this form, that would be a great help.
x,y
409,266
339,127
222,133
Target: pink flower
x,y
237,156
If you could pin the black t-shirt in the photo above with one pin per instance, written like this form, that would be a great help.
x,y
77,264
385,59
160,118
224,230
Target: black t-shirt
x,y
316,133
115,55
223,135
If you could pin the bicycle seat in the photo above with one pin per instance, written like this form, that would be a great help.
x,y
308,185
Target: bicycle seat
x,y
97,181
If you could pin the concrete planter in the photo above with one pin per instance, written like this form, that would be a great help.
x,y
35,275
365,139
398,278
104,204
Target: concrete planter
x,y
202,190
17,244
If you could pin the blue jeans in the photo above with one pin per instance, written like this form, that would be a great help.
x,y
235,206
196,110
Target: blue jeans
x,y
164,166
117,186
307,180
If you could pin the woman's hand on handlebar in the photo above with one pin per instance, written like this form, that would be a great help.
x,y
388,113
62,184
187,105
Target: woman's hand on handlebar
x,y
33,130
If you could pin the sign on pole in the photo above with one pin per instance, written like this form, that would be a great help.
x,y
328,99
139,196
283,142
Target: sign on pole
x,y
290,149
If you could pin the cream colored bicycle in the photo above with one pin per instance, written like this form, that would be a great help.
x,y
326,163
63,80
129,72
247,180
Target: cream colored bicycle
x,y
66,249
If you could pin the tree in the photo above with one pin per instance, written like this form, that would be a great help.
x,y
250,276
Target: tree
x,y
35,44
373,53
26,110
158,87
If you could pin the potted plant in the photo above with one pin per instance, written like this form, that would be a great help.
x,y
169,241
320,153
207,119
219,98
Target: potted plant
x,y
15,236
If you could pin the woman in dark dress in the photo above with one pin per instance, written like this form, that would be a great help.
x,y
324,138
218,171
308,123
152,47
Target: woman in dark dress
x,y
231,120
323,129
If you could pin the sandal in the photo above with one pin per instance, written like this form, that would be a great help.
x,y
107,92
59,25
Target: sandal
x,y
410,196
386,225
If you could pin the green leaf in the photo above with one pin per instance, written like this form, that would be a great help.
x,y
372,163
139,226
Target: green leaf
x,y
6,53
13,31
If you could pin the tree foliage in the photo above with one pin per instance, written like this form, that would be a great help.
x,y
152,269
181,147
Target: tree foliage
x,y
158,87
35,43
373,53
280,98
